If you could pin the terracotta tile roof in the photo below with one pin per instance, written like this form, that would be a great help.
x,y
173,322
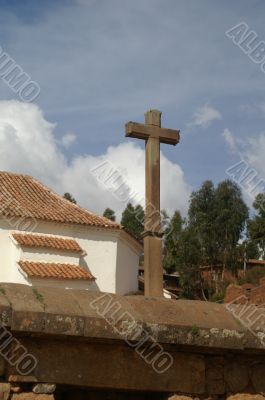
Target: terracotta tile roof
x,y
46,241
54,270
257,262
23,196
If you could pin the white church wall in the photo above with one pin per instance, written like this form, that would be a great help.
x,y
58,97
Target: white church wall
x,y
100,246
127,269
111,260
49,255
8,255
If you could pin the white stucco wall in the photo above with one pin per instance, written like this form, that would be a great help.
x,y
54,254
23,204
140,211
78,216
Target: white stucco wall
x,y
8,255
109,258
127,262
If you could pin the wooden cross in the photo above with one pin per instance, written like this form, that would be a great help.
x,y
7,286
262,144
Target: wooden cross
x,y
153,135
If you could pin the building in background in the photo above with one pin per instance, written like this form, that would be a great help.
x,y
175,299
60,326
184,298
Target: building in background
x,y
47,240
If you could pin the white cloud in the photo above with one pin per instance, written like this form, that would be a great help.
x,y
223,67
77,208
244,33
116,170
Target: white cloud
x,y
230,140
249,171
28,145
254,154
68,139
205,115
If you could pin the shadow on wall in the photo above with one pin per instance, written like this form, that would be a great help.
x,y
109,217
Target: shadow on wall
x,y
78,394
91,285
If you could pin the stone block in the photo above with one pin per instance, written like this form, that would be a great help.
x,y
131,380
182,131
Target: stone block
x,y
246,397
176,397
257,378
44,388
4,391
236,376
2,366
215,376
32,396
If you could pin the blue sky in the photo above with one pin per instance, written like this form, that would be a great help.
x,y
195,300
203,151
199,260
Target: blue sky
x,y
102,63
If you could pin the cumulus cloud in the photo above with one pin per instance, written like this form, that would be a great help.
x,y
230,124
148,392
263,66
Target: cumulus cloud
x,y
68,139
230,140
205,115
28,145
249,171
254,154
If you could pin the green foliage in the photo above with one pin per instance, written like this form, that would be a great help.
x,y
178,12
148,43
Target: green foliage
x,y
217,297
194,330
110,214
231,217
202,218
69,197
172,243
253,276
256,226
133,220
210,236
190,260
38,295
248,249
252,250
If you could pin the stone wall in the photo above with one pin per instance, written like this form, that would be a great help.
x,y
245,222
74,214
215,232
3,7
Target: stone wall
x,y
52,392
77,346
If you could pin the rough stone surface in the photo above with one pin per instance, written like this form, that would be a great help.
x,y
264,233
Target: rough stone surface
x,y
211,353
258,378
44,388
15,388
66,362
236,376
246,397
32,396
179,398
2,366
215,375
4,391
68,313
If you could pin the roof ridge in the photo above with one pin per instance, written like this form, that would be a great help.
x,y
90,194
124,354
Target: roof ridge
x,y
50,262
77,206
46,235
15,173
61,198
25,196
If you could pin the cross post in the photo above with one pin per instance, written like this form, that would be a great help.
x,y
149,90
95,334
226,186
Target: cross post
x,y
153,135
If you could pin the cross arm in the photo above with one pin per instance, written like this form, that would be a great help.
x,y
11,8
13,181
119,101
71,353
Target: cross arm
x,y
142,131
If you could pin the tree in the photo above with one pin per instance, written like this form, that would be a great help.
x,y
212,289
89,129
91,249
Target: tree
x,y
69,197
110,214
202,219
182,251
247,250
252,249
172,239
210,236
256,226
190,258
133,220
231,217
